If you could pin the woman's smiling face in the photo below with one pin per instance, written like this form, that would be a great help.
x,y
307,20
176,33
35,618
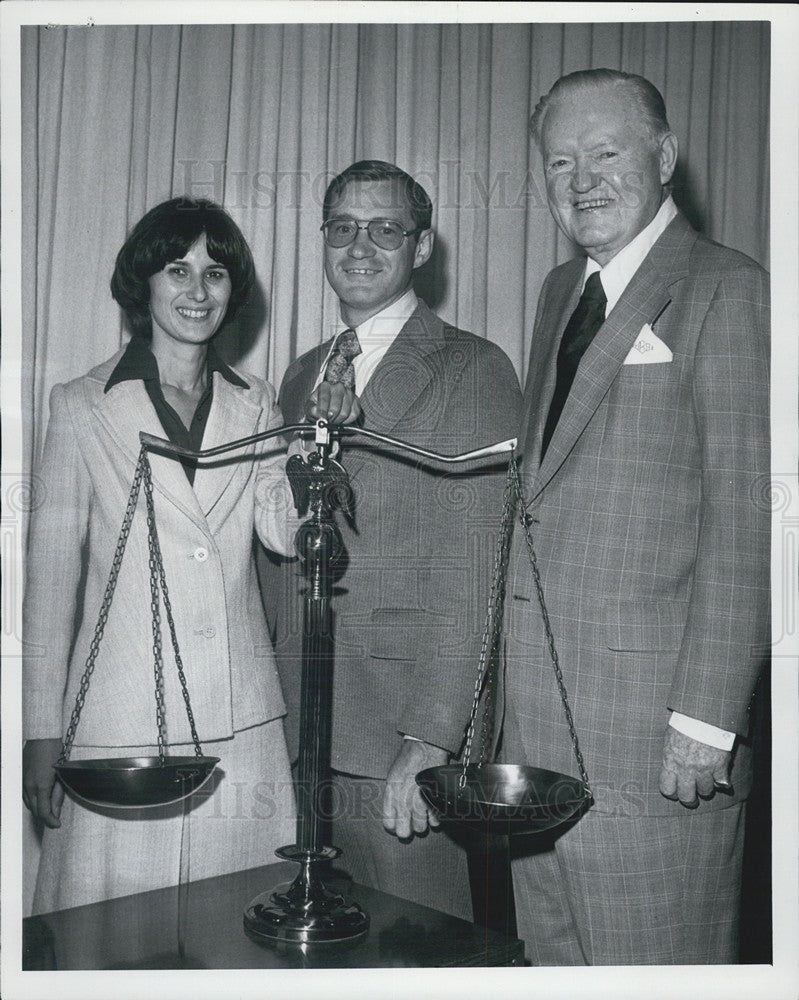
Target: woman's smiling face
x,y
189,297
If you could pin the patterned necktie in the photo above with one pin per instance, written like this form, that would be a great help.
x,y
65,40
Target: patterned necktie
x,y
339,367
588,316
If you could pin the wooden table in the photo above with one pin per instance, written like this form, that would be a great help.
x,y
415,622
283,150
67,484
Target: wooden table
x,y
199,926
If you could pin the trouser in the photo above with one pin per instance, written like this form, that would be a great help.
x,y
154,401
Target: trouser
x,y
641,890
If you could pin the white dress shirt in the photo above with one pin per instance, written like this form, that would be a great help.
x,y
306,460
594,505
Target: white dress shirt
x,y
617,273
615,276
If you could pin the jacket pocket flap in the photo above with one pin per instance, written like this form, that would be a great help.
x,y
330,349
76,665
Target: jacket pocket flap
x,y
400,633
645,625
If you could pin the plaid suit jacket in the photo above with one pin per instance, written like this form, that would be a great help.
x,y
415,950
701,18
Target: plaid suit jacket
x,y
410,598
650,523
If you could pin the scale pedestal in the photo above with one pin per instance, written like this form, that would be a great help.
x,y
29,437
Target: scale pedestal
x,y
306,911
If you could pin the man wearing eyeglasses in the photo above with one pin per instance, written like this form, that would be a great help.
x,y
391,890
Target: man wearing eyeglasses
x,y
411,598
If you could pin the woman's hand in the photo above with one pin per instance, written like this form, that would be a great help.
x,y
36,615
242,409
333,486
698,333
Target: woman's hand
x,y
42,793
334,403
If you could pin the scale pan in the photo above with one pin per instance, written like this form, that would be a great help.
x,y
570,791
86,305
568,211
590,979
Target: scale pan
x,y
530,798
134,782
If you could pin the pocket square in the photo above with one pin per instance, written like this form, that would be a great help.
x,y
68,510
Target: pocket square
x,y
648,349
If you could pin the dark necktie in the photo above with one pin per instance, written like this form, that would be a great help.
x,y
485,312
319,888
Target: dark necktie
x,y
339,367
588,316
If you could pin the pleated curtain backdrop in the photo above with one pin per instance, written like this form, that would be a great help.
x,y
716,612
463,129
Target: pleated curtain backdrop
x,y
259,117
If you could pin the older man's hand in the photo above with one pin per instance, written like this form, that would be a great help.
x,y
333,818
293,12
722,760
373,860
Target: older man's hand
x,y
691,769
335,403
405,812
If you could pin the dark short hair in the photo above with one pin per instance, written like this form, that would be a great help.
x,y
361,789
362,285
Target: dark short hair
x,y
645,96
166,233
378,170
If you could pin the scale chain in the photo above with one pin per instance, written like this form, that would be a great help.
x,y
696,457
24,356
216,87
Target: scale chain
x,y
158,577
513,472
155,613
94,647
490,634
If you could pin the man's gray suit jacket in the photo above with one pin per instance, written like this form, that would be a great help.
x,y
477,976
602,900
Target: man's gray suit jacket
x,y
410,598
650,519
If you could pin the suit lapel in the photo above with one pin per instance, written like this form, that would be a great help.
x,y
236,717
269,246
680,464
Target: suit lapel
x,y
402,374
644,299
561,300
232,416
401,377
124,411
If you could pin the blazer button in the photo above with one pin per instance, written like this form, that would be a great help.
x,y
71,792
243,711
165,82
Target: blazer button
x,y
209,631
201,554
528,519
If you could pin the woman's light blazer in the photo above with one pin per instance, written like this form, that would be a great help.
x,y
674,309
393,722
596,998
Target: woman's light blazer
x,y
206,537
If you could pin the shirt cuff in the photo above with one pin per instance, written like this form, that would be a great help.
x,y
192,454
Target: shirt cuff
x,y
702,731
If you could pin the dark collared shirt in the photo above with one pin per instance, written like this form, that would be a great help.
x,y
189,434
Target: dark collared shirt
x,y
138,362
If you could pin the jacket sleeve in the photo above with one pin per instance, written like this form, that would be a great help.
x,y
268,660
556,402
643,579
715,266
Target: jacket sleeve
x,y
276,520
465,510
58,532
727,628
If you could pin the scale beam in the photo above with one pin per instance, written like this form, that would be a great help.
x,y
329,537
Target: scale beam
x,y
336,431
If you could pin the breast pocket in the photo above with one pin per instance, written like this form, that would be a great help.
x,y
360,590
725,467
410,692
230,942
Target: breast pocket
x,y
647,380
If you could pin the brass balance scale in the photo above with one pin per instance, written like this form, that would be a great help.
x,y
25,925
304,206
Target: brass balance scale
x,y
306,911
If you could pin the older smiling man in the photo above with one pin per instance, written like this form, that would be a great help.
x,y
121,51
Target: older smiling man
x,y
645,440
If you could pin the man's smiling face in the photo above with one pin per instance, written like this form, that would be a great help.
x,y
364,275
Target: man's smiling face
x,y
365,277
604,170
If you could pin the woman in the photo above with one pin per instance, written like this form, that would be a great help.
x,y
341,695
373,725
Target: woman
x,y
184,270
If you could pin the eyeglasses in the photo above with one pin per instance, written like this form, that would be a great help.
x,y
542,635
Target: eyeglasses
x,y
384,233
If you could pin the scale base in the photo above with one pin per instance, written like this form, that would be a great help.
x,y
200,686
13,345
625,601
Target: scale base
x,y
304,911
